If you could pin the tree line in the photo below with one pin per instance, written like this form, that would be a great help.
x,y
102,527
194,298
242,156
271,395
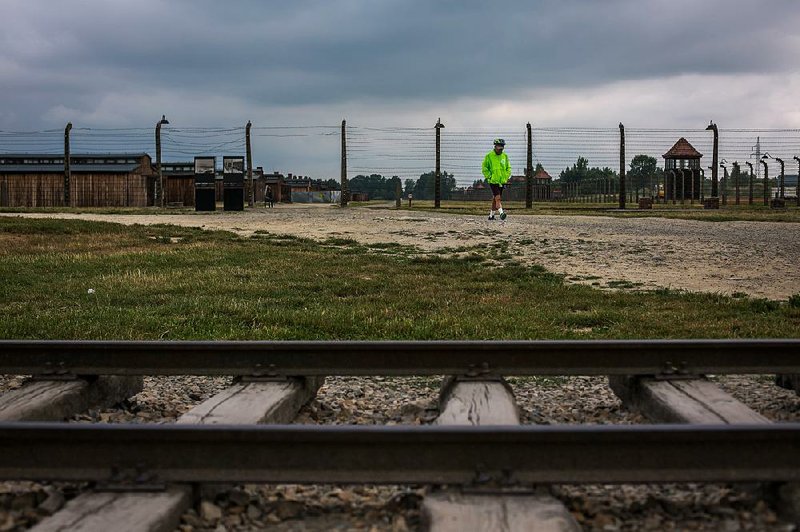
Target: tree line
x,y
643,168
376,186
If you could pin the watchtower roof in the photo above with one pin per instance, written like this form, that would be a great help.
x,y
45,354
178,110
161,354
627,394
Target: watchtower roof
x,y
682,150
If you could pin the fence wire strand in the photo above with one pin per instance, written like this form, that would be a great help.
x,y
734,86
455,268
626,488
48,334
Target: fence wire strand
x,y
408,152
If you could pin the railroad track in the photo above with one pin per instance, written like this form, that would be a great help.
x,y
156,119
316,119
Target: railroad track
x,y
498,456
219,441
388,358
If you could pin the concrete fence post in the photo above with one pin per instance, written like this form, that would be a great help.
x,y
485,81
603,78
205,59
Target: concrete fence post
x,y
67,170
621,166
529,171
437,183
251,192
343,198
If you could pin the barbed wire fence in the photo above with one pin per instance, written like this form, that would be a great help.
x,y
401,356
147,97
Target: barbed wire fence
x,y
583,162
48,141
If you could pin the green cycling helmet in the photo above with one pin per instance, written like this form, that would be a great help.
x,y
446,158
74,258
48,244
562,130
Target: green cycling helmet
x,y
501,142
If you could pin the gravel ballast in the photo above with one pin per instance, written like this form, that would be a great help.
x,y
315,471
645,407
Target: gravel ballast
x,y
377,400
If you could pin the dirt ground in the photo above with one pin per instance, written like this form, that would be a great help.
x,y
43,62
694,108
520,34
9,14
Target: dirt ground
x,y
760,259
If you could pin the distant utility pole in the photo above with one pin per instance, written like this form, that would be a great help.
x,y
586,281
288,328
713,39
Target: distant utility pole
x,y
757,154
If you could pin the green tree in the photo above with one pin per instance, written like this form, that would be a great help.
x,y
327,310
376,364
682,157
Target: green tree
x,y
375,186
578,172
423,189
328,184
643,168
391,188
601,173
591,180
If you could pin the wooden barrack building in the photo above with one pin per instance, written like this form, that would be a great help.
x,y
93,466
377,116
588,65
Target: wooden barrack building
x,y
96,180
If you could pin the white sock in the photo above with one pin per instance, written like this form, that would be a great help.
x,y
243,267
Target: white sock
x,y
491,212
501,210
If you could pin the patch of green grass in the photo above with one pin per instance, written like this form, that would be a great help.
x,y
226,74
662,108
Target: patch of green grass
x,y
43,227
622,284
386,245
339,241
152,282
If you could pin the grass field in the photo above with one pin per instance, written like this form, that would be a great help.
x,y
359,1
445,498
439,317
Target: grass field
x,y
180,283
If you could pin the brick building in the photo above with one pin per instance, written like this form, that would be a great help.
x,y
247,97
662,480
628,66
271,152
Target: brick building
x,y
515,189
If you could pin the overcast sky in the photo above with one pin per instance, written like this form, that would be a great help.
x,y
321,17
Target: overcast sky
x,y
488,65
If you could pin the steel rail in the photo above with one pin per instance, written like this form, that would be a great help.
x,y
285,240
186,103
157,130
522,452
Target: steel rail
x,y
418,455
472,358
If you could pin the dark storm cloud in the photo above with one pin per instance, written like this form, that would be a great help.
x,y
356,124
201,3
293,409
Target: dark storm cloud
x,y
73,53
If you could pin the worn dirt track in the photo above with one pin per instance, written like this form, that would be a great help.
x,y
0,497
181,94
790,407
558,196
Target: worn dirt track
x,y
756,258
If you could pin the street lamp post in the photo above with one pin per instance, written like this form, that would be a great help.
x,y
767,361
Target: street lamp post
x,y
437,183
702,185
797,183
674,185
724,181
781,181
766,179
714,157
160,186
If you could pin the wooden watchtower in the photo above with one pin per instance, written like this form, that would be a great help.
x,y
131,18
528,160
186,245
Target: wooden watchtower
x,y
682,171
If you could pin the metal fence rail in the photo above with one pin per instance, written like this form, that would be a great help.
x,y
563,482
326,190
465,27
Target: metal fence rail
x,y
388,358
433,455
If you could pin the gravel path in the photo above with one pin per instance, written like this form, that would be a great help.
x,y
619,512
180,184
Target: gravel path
x,y
755,258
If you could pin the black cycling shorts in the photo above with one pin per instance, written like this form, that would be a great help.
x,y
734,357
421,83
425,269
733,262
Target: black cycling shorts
x,y
497,190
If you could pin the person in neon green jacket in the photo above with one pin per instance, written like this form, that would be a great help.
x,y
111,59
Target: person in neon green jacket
x,y
497,171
